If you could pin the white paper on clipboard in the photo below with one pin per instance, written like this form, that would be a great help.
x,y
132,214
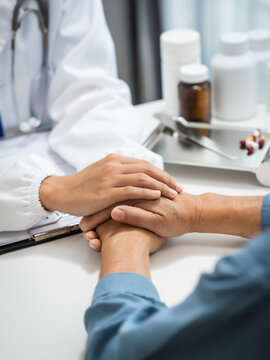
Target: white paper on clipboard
x,y
53,224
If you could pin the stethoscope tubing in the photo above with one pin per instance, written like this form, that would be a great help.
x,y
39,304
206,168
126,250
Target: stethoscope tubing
x,y
17,20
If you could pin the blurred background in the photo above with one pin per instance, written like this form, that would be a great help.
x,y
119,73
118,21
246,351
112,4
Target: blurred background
x,y
137,24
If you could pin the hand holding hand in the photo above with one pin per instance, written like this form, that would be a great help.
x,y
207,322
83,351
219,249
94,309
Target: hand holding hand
x,y
166,218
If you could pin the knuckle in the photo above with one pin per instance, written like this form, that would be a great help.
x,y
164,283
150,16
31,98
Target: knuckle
x,y
146,193
129,190
147,166
142,178
165,189
167,177
112,157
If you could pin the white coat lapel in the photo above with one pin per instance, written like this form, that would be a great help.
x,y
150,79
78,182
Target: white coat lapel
x,y
55,8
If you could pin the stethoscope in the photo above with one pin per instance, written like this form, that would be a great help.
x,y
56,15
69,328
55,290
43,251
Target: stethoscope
x,y
17,19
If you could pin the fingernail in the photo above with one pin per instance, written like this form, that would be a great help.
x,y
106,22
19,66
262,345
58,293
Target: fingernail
x,y
173,193
156,193
82,223
92,246
179,187
120,214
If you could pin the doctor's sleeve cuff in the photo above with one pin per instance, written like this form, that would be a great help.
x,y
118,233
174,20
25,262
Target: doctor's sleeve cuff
x,y
21,177
126,283
34,189
266,213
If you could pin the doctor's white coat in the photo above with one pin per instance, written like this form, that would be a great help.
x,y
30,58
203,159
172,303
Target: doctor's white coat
x,y
90,107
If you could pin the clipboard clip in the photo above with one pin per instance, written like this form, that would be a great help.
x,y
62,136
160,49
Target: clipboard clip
x,y
49,234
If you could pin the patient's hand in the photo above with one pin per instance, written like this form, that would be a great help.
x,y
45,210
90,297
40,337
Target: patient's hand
x,y
167,218
205,213
126,248
116,233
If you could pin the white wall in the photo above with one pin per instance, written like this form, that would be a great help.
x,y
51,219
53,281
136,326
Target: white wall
x,y
213,18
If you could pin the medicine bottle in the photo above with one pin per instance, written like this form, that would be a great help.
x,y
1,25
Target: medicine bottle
x,y
259,41
195,93
234,79
179,47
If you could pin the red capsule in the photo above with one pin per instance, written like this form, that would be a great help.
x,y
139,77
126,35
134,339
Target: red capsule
x,y
242,144
261,142
250,150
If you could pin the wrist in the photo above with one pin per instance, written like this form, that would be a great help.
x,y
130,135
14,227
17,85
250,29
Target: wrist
x,y
130,241
49,193
125,254
190,209
234,215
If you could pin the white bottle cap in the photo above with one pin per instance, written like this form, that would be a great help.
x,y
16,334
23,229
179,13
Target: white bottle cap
x,y
259,40
194,73
181,43
234,44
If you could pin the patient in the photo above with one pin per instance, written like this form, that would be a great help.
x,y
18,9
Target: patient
x,y
226,317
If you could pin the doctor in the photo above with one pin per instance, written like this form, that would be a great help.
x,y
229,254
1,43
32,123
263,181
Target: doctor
x,y
57,67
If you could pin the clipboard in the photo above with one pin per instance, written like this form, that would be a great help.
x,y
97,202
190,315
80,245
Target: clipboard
x,y
57,225
53,227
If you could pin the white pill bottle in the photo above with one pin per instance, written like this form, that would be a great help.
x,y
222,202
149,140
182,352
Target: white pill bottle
x,y
179,47
259,41
268,88
234,79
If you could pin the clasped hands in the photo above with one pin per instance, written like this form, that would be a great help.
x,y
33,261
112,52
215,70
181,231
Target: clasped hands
x,y
163,217
136,193
127,234
205,213
95,191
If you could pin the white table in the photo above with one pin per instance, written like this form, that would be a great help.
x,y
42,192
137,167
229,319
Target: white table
x,y
46,289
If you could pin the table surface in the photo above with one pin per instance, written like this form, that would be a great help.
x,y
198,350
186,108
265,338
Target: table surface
x,y
46,289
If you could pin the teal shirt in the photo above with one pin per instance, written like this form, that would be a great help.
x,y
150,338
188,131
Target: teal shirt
x,y
227,316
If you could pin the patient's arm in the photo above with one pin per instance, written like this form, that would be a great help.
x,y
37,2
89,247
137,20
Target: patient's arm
x,y
206,213
126,249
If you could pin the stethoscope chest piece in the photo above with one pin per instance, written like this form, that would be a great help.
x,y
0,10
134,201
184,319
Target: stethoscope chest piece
x,y
30,125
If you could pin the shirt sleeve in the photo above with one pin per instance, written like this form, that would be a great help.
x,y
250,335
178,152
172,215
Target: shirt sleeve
x,y
266,213
225,316
21,176
91,107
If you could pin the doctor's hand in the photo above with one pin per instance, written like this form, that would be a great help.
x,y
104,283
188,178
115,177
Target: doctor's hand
x,y
109,181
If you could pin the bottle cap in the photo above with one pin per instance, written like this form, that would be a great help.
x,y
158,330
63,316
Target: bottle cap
x,y
234,44
259,40
183,43
194,73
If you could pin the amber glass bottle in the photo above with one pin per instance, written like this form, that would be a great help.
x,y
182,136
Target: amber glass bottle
x,y
195,94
